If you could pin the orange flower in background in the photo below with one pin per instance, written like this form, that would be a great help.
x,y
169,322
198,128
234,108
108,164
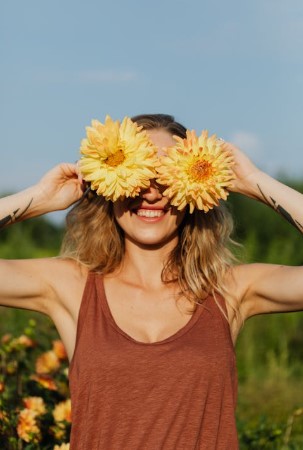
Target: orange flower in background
x,y
118,159
197,172
47,362
45,380
62,411
59,349
35,404
26,416
62,415
23,341
62,447
6,338
27,427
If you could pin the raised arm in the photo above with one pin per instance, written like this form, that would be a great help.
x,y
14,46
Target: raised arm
x,y
27,283
57,190
254,183
266,288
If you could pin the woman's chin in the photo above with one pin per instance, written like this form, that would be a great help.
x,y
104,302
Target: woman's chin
x,y
152,241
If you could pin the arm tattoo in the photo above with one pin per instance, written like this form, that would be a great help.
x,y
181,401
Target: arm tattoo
x,y
16,215
272,202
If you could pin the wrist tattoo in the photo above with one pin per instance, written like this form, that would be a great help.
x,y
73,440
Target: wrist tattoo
x,y
16,215
285,214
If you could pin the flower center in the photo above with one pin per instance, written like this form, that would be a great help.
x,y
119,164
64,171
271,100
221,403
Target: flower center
x,y
115,159
201,170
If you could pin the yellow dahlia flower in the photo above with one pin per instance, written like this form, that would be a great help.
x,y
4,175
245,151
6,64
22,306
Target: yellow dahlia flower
x,y
63,411
118,159
27,427
35,404
196,171
47,362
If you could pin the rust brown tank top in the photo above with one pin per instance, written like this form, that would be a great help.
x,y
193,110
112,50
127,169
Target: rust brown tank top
x,y
179,393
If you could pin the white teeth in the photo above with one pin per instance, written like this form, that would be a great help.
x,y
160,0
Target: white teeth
x,y
150,213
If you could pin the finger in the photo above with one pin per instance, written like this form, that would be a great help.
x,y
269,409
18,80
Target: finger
x,y
80,177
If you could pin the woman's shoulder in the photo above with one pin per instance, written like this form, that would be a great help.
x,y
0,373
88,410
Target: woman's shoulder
x,y
243,279
63,275
235,278
239,277
67,279
67,269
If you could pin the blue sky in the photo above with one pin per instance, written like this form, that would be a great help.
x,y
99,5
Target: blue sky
x,y
234,68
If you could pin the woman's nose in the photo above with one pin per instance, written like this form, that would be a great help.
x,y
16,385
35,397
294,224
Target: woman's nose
x,y
152,193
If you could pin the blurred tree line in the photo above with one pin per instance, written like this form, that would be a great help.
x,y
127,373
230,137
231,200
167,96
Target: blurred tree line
x,y
33,238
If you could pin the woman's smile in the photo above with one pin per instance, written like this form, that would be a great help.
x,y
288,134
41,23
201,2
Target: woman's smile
x,y
150,213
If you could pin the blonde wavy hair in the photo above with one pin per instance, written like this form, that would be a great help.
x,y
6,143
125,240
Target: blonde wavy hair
x,y
199,261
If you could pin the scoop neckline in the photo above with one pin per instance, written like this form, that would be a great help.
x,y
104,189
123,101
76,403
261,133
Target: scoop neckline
x,y
183,330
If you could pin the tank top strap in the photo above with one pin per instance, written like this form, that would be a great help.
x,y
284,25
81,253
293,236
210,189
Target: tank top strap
x,y
101,295
217,305
88,296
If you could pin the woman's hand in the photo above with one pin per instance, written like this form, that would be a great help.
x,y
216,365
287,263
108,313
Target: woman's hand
x,y
246,173
58,189
61,186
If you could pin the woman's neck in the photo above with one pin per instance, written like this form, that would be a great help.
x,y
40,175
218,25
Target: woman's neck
x,y
145,263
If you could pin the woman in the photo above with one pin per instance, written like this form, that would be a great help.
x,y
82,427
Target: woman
x,y
148,303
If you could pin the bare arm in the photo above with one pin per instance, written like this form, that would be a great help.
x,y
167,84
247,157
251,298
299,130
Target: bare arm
x,y
28,283
57,190
266,288
254,183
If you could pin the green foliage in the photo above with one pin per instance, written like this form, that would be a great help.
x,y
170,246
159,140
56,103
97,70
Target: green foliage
x,y
31,239
260,435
